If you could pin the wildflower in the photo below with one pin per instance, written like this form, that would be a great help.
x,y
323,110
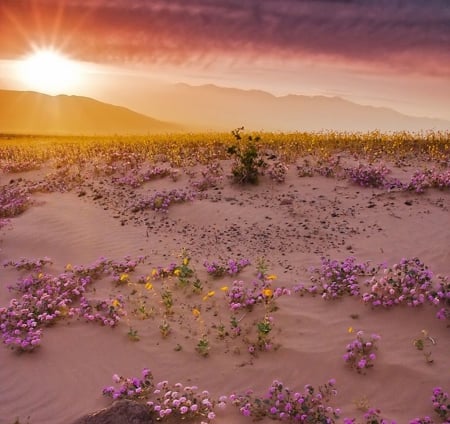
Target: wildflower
x,y
271,277
115,303
185,261
123,278
149,286
224,288
209,294
195,312
177,272
267,292
69,267
154,272
350,330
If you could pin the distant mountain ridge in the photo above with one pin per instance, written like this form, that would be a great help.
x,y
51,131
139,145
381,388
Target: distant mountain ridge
x,y
183,107
36,113
219,108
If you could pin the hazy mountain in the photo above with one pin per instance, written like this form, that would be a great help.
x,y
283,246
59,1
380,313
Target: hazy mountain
x,y
30,112
212,107
206,107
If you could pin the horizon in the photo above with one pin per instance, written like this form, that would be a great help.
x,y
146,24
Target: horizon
x,y
390,54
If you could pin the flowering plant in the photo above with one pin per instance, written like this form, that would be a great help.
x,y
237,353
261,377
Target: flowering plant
x,y
441,404
440,297
277,171
230,267
283,404
407,282
166,400
13,201
372,416
368,175
360,352
334,279
161,200
241,296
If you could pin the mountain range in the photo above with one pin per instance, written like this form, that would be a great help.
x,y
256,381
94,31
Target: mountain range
x,y
182,107
27,112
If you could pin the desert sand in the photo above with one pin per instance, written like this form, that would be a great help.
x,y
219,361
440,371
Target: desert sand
x,y
291,225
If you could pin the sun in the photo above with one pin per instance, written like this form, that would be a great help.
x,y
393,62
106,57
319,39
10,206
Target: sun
x,y
49,71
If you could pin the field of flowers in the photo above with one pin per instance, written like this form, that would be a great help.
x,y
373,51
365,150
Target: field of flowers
x,y
227,302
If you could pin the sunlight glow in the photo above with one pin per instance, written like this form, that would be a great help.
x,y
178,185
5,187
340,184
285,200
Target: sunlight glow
x,y
49,71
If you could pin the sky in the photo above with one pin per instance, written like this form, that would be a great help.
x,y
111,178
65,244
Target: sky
x,y
393,53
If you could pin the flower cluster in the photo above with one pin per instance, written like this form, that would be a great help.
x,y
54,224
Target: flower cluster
x,y
230,267
101,311
161,200
441,297
184,402
421,180
242,296
441,404
166,400
407,282
136,179
28,264
13,201
422,420
283,404
131,388
277,171
46,298
369,175
360,352
63,179
334,279
212,176
14,166
327,166
372,416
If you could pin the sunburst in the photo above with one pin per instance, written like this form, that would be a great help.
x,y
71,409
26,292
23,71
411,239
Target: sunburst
x,y
49,71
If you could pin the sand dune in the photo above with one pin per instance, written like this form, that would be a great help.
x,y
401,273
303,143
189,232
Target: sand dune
x,y
63,379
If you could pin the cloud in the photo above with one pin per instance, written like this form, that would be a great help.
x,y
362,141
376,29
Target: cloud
x,y
403,35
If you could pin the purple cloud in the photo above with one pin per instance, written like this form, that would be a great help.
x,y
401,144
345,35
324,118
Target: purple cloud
x,y
405,35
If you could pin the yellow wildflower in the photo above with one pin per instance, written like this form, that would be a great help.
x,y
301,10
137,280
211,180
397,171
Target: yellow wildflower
x,y
271,277
40,275
195,312
69,267
154,272
149,286
123,278
268,292
115,303
224,288
185,261
350,329
209,294
177,272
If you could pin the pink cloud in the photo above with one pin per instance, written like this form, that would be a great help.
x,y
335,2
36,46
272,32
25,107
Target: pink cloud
x,y
403,36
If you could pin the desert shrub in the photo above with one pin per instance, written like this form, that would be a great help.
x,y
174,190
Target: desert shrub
x,y
248,164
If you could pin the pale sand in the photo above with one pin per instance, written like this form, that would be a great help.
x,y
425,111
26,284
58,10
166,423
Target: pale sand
x,y
63,379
